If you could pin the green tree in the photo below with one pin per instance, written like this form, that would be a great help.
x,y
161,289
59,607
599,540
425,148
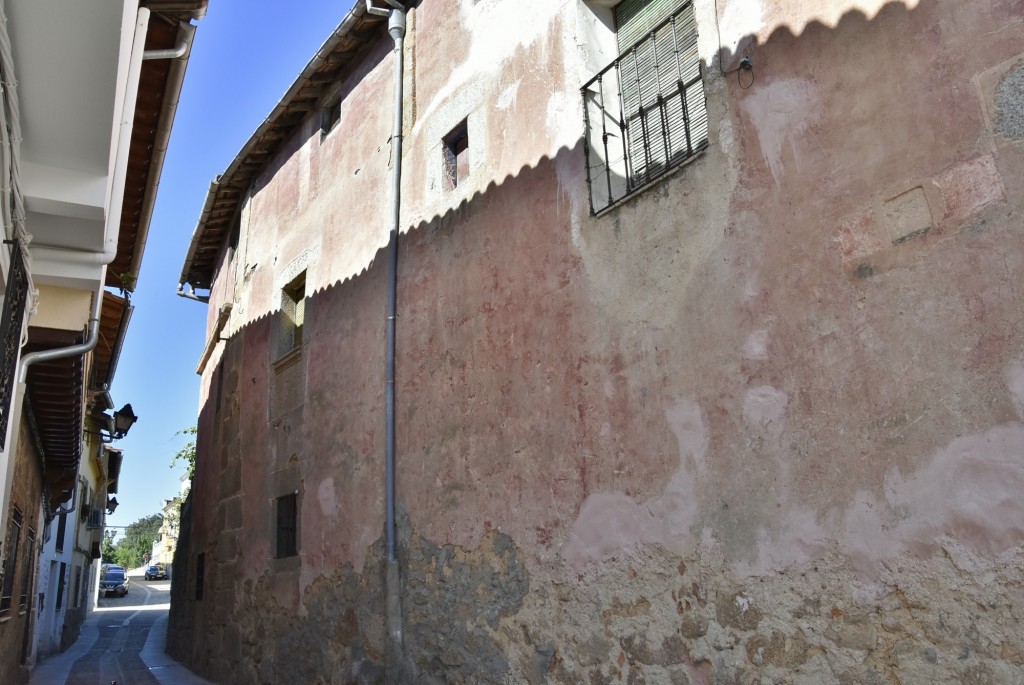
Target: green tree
x,y
109,549
187,453
138,541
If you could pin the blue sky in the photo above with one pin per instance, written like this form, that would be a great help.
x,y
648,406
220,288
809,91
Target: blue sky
x,y
245,56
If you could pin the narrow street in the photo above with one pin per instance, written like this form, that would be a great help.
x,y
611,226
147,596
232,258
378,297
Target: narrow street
x,y
122,642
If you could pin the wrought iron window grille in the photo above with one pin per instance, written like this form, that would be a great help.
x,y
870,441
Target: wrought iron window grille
x,y
15,299
11,562
645,114
287,538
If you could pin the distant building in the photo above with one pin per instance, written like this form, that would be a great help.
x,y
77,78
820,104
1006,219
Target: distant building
x,y
166,543
71,549
709,364
89,95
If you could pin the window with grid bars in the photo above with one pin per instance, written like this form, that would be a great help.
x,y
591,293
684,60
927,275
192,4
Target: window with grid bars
x,y
645,112
27,576
15,299
11,562
62,527
287,538
60,588
293,315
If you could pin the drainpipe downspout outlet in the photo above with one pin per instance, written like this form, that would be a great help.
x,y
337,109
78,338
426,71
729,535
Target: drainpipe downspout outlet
x,y
396,24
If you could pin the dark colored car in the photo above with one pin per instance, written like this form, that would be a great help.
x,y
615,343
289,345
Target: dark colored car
x,y
114,582
156,572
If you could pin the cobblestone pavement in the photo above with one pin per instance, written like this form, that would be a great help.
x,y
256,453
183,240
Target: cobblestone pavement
x,y
123,642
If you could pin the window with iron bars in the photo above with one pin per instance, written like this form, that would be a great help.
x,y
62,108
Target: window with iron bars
x,y
15,299
11,562
287,529
645,113
27,575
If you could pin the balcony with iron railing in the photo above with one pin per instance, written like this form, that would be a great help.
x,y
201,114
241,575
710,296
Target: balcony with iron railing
x,y
645,113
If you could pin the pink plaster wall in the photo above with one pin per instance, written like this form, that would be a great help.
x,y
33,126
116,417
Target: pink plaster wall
x,y
805,343
823,361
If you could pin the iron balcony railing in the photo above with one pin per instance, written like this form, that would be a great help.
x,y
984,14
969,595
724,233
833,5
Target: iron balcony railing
x,y
645,113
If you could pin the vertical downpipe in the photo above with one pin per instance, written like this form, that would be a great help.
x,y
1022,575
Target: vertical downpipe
x,y
396,27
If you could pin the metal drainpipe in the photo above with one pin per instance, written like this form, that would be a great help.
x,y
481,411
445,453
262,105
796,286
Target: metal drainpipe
x,y
396,27
393,656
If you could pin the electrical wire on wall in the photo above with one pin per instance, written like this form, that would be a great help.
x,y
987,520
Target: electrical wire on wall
x,y
746,63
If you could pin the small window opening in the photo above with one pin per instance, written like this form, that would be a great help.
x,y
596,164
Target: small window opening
x,y
287,526
62,526
236,230
293,306
60,588
456,155
329,117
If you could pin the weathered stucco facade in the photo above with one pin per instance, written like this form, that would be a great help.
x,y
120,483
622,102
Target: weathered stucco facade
x,y
763,422
17,597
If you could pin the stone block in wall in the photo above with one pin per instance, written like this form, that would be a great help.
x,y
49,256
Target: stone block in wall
x,y
288,385
907,215
230,479
231,513
227,547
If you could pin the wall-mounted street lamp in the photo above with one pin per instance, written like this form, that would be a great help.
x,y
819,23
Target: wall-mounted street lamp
x,y
124,419
112,505
116,427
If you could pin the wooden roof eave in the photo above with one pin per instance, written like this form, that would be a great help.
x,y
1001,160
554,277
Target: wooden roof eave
x,y
344,45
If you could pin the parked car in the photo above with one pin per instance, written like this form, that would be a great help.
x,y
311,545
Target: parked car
x,y
114,582
156,572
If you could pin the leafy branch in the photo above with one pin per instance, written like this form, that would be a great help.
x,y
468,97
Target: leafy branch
x,y
187,453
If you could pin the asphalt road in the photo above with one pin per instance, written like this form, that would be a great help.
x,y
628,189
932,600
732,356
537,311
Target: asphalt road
x,y
116,645
140,593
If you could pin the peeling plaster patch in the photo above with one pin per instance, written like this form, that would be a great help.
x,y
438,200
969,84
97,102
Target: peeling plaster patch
x,y
561,116
327,497
495,32
764,408
781,112
686,420
801,539
1009,103
726,136
858,238
751,288
969,186
1015,383
756,346
980,477
979,516
570,176
507,98
612,524
609,523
